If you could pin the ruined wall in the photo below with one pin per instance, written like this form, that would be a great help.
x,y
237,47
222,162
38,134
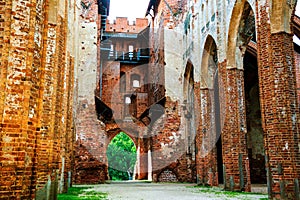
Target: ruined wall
x,y
102,78
232,24
280,107
90,159
297,64
36,123
122,25
169,137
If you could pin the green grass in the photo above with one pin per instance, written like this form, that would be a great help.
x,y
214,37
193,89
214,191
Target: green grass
x,y
227,194
76,193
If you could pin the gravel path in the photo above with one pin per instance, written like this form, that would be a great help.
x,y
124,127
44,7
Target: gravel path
x,y
167,191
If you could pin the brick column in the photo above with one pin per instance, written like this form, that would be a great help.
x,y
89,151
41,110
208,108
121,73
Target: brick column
x,y
143,159
280,116
19,121
206,163
280,111
234,134
297,65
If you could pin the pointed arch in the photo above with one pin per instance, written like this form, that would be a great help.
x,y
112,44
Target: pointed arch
x,y
209,62
281,15
121,155
241,31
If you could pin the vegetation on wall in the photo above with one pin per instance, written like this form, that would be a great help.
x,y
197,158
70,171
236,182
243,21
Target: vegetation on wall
x,y
121,155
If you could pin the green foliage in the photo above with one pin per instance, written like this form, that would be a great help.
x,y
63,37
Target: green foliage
x,y
121,155
76,193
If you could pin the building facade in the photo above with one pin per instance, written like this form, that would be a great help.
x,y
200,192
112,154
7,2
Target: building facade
x,y
235,67
207,90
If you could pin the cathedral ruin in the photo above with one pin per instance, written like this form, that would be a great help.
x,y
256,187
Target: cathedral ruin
x,y
208,91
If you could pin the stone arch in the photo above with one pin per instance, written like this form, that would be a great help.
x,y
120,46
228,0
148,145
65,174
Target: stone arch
x,y
209,61
245,60
189,107
239,34
241,31
209,156
113,132
281,15
123,155
188,77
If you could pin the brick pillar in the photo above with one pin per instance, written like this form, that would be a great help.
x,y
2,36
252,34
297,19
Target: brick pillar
x,y
45,131
234,134
280,115
297,65
201,140
143,158
280,111
19,100
206,156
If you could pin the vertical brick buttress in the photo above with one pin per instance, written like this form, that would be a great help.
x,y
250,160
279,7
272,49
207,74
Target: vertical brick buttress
x,y
234,133
280,109
33,85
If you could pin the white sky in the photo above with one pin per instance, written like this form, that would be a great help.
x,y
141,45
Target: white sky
x,y
128,8
137,8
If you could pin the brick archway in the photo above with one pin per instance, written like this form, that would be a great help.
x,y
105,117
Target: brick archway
x,y
113,132
209,156
111,135
279,104
280,16
236,163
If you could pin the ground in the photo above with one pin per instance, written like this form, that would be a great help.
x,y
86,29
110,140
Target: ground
x,y
168,191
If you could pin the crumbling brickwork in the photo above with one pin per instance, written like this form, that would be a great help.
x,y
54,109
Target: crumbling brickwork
x,y
250,137
122,25
207,90
297,64
36,124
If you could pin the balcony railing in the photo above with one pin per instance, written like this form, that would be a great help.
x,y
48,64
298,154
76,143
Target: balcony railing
x,y
141,55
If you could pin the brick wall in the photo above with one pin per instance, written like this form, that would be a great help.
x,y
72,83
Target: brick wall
x,y
122,25
32,142
297,64
280,108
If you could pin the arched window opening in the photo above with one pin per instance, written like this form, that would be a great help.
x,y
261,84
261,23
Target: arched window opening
x,y
135,80
130,106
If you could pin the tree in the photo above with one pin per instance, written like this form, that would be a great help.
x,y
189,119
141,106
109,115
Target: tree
x,y
121,155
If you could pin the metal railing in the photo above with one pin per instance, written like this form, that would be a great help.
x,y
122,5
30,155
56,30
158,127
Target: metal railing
x,y
141,55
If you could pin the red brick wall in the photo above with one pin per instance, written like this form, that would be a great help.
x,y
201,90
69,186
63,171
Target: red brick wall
x,y
122,25
297,64
33,145
279,107
206,152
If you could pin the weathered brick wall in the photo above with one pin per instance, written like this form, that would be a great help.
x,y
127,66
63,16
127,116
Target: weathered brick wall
x,y
34,148
297,64
122,25
237,26
279,104
169,145
90,158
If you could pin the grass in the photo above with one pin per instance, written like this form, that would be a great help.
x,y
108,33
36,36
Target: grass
x,y
228,194
76,193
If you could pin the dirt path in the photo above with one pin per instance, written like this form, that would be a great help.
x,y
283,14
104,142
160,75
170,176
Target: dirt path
x,y
165,191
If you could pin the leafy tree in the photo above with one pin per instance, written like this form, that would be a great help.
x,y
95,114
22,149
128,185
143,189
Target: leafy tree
x,y
121,155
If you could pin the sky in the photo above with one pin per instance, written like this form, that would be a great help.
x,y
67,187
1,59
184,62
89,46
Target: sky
x,y
128,8
133,9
